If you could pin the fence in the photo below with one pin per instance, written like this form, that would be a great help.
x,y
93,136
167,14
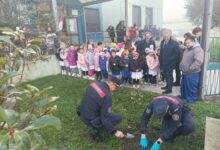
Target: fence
x,y
213,72
98,36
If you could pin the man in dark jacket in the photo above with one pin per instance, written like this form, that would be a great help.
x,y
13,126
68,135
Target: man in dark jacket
x,y
95,108
148,42
169,53
177,120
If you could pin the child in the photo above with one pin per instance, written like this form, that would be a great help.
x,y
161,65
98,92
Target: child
x,y
124,64
63,56
90,60
136,70
82,62
153,63
98,74
114,64
72,61
103,65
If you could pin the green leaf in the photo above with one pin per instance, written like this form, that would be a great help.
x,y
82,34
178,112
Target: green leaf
x,y
37,41
41,103
6,76
29,51
7,40
23,140
45,121
3,142
36,48
5,29
37,141
31,87
7,115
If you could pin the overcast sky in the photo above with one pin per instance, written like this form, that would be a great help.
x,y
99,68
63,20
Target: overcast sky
x,y
174,10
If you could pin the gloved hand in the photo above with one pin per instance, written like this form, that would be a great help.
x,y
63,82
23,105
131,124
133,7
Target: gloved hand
x,y
143,142
156,146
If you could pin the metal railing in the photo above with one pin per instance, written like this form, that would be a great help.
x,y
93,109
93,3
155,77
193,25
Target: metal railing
x,y
213,71
98,36
214,49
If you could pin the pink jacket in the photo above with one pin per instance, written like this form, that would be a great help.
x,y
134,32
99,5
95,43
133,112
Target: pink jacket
x,y
152,61
82,60
71,58
96,60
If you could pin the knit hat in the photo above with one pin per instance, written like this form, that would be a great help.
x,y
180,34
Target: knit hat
x,y
125,53
113,45
120,45
147,50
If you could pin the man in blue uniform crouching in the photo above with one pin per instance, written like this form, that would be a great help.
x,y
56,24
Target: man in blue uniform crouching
x,y
177,120
95,108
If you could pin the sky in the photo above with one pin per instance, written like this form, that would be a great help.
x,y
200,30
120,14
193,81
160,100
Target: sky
x,y
174,10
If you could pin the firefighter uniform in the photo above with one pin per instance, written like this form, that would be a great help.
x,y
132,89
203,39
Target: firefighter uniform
x,y
95,108
177,119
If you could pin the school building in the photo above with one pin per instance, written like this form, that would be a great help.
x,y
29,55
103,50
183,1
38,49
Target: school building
x,y
81,20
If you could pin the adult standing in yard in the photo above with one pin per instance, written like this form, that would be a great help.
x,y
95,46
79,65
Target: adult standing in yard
x,y
197,32
148,42
121,31
190,66
169,52
111,33
177,120
95,108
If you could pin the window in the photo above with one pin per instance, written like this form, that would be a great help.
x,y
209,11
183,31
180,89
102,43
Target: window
x,y
136,15
149,17
92,20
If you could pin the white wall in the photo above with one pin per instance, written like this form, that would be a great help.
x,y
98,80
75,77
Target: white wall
x,y
157,6
41,69
114,11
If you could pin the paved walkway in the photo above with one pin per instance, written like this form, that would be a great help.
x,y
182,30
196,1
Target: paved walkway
x,y
157,88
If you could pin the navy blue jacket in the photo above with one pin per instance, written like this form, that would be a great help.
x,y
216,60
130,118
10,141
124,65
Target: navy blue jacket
x,y
174,109
124,63
135,65
94,106
103,63
114,63
169,54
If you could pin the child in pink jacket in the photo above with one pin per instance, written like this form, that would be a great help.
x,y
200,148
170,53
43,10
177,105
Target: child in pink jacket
x,y
153,65
72,61
82,62
90,60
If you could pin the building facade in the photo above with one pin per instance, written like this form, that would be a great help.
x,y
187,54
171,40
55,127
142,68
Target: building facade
x,y
139,12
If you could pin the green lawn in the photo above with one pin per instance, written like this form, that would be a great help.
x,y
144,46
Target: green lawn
x,y
128,103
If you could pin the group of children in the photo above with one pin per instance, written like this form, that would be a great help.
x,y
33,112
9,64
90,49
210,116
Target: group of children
x,y
119,60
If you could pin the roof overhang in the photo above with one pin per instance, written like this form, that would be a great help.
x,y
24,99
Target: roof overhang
x,y
92,2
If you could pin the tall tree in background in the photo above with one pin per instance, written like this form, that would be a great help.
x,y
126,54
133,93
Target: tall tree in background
x,y
8,13
195,11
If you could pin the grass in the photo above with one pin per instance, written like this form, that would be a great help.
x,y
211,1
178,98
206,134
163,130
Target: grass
x,y
128,103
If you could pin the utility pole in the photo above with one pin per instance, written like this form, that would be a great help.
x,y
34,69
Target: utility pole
x,y
55,13
207,22
126,13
